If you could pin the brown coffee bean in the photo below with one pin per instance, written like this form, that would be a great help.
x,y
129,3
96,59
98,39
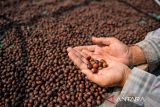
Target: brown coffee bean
x,y
92,61
102,60
81,85
94,70
59,100
105,65
50,105
89,100
89,66
95,66
88,58
99,68
30,105
100,64
68,97
97,62
80,99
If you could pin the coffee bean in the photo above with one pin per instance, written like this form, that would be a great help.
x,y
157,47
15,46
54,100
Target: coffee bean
x,y
100,68
92,61
68,97
105,65
100,64
89,66
89,100
81,85
88,58
94,70
102,61
50,105
95,66
97,62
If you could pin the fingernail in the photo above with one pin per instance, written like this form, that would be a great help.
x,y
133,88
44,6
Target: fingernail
x,y
93,37
69,49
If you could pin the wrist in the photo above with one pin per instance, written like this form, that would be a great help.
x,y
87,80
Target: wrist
x,y
126,74
136,55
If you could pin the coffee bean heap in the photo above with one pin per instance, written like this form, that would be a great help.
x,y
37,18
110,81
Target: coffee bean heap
x,y
47,78
95,65
35,70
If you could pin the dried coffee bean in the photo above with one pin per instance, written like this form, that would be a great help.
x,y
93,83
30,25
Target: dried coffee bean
x,y
89,100
89,66
88,58
105,65
68,97
100,68
92,61
81,85
102,60
100,64
94,70
97,62
95,66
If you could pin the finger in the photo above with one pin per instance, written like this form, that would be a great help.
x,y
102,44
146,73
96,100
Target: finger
x,y
93,55
82,53
89,74
77,58
69,49
97,57
82,66
92,77
74,51
101,41
88,53
90,48
77,61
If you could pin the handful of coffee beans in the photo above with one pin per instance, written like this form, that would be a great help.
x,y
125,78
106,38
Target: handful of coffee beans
x,y
96,65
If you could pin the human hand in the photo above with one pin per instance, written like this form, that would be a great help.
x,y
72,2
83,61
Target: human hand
x,y
108,47
115,74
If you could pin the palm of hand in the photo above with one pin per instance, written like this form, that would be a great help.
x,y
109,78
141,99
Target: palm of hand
x,y
112,75
117,51
108,76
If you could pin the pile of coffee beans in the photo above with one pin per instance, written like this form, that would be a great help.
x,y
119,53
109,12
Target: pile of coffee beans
x,y
95,65
35,70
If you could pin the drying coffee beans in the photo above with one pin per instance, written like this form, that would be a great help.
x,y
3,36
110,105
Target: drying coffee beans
x,y
35,70
95,65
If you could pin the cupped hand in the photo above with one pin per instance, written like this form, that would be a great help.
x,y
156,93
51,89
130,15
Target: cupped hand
x,y
112,46
115,74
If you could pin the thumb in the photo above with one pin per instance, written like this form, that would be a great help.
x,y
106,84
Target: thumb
x,y
101,41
